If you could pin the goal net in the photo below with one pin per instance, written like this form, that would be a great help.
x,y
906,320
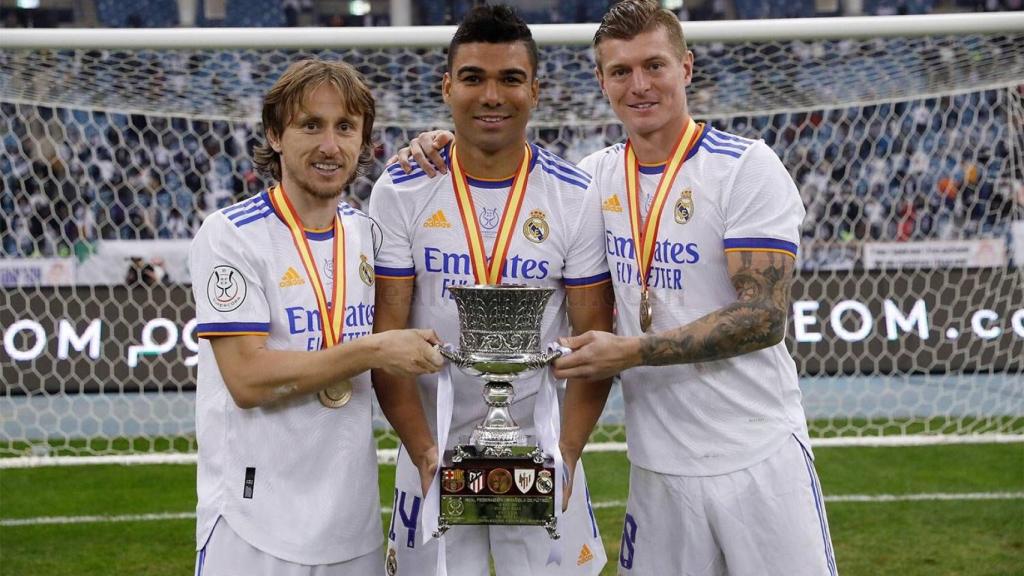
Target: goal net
x,y
903,135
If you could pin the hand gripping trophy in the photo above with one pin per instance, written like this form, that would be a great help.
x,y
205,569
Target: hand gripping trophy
x,y
500,477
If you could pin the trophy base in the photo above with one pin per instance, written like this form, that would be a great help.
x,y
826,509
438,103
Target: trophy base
x,y
497,485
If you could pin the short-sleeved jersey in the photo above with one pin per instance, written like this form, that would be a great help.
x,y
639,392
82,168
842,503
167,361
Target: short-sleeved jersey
x,y
712,417
295,479
557,243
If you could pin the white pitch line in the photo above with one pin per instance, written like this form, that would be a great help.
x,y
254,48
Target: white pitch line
x,y
41,520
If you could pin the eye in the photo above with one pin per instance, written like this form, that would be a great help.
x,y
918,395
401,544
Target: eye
x,y
346,127
309,125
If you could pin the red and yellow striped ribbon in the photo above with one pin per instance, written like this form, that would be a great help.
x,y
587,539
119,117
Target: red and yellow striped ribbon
x,y
332,312
645,236
484,273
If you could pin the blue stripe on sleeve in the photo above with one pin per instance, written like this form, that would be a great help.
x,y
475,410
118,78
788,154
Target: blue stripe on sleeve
x,y
708,147
232,327
394,272
760,244
259,216
595,279
713,139
726,136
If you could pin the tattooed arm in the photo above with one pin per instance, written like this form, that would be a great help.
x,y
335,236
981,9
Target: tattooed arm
x,y
756,320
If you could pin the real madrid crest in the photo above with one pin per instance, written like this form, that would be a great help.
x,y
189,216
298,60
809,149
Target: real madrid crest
x,y
365,270
684,207
536,227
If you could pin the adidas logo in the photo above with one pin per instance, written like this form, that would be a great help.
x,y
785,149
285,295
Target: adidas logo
x,y
612,204
437,220
291,278
585,554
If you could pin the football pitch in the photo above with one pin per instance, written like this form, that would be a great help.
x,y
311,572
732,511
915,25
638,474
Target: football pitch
x,y
930,510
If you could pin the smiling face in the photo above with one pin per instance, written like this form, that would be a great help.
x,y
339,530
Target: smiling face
x,y
645,82
319,145
491,91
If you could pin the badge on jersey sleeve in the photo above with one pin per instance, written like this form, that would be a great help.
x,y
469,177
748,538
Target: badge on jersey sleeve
x,y
365,270
536,227
226,288
684,207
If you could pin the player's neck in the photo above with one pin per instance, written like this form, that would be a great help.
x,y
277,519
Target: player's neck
x,y
656,147
496,165
315,212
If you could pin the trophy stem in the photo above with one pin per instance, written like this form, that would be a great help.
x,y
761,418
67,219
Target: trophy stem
x,y
498,427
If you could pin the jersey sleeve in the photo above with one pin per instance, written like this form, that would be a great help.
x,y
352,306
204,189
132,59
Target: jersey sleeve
x,y
763,210
228,289
586,263
394,259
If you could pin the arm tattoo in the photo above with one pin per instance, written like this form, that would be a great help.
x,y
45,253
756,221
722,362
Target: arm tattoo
x,y
756,320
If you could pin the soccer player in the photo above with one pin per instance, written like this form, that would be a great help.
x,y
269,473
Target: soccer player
x,y
283,285
518,195
702,229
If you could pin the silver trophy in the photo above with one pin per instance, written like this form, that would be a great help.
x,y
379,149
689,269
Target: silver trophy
x,y
498,478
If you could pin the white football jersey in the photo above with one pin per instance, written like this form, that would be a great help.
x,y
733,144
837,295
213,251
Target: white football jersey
x,y
295,479
713,417
557,243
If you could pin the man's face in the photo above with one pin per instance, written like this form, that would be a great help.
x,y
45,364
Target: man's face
x,y
320,145
491,92
645,82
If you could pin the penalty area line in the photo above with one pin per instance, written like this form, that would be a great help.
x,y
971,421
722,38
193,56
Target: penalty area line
x,y
857,498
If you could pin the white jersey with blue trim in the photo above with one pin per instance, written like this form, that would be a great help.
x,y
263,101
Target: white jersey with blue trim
x,y
295,479
556,243
713,417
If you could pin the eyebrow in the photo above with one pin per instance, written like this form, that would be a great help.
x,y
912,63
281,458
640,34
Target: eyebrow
x,y
502,72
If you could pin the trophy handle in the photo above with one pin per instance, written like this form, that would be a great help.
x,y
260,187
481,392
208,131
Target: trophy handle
x,y
552,356
452,355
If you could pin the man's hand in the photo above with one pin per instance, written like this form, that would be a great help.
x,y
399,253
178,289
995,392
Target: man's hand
x,y
425,149
597,355
426,462
407,353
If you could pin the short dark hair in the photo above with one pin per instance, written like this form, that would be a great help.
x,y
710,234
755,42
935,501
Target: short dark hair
x,y
498,24
287,95
630,18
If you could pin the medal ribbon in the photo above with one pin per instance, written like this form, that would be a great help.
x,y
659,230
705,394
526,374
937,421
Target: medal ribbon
x,y
331,314
484,273
645,237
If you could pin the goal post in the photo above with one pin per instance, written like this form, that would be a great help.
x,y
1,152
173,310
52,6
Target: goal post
x,y
902,133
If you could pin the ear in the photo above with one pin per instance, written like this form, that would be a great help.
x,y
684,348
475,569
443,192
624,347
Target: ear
x,y
534,92
274,140
600,79
446,86
688,68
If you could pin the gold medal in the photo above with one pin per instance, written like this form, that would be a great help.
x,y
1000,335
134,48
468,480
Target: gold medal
x,y
336,395
646,313
645,233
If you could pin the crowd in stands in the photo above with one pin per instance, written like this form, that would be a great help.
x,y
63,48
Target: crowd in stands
x,y
928,169
254,13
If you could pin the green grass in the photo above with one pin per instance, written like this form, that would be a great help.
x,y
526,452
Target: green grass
x,y
922,538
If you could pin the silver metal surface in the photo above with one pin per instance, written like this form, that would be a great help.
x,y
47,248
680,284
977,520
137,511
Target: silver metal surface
x,y
499,341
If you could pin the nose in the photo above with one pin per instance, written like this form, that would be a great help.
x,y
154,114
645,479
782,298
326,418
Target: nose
x,y
641,82
329,142
492,94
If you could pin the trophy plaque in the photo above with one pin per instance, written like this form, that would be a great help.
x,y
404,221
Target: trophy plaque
x,y
499,477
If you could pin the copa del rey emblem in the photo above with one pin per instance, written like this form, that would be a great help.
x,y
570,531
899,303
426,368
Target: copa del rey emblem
x,y
524,479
